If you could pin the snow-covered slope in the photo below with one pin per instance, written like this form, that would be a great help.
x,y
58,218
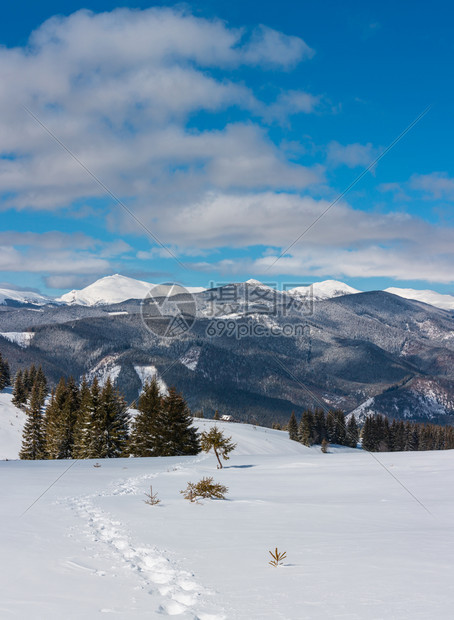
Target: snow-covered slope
x,y
358,544
324,290
109,290
23,297
22,339
146,373
12,422
445,302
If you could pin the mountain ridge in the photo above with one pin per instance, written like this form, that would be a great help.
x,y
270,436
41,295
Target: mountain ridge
x,y
117,288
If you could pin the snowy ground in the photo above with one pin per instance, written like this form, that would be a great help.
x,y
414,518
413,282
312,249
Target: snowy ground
x,y
12,422
358,546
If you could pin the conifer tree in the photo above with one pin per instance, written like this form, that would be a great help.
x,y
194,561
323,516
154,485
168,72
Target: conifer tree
x,y
33,435
215,440
26,382
352,432
109,423
339,432
293,427
367,435
173,433
83,421
56,423
41,379
90,445
29,379
19,391
306,428
319,425
5,378
60,419
150,404
330,426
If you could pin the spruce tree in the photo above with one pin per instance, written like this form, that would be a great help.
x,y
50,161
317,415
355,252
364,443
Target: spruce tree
x,y
330,426
29,379
352,432
215,440
83,421
26,383
306,428
91,445
5,378
173,433
55,423
150,404
33,436
340,432
19,391
319,426
104,423
367,435
41,379
60,419
114,419
293,427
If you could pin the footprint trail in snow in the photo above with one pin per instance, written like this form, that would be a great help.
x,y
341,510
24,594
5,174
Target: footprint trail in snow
x,y
178,592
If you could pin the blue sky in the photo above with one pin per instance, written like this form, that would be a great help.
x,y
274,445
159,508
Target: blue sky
x,y
227,128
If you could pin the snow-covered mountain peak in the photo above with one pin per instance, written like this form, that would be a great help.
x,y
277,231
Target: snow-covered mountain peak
x,y
108,290
29,297
324,290
117,288
258,284
445,302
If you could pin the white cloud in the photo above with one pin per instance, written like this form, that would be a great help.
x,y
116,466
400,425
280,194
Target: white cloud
x,y
351,155
59,261
436,186
290,103
118,89
268,46
123,90
56,252
344,243
70,281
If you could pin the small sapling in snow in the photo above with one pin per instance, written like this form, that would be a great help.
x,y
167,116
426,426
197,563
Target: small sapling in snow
x,y
152,498
277,557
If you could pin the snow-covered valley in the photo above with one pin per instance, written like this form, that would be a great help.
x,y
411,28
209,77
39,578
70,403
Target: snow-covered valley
x,y
358,545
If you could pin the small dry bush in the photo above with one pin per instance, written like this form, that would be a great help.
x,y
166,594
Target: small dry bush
x,y
204,489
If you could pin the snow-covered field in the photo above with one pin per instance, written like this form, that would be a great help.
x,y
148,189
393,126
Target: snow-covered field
x,y
358,546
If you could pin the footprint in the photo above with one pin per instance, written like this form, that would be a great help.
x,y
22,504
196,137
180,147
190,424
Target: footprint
x,y
185,598
188,585
172,608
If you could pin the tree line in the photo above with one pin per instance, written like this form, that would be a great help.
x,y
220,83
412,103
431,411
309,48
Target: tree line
x,y
378,433
86,421
316,427
381,435
93,421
